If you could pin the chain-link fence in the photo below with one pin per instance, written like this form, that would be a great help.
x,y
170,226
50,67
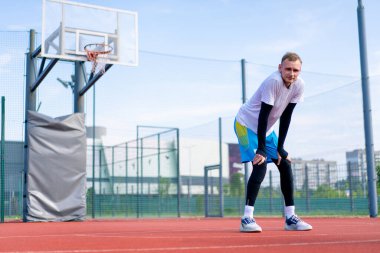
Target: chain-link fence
x,y
138,178
13,46
191,94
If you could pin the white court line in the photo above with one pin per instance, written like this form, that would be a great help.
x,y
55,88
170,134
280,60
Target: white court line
x,y
201,248
245,235
130,236
121,235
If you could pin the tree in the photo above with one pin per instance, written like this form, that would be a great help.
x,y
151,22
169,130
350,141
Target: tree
x,y
163,189
325,191
267,192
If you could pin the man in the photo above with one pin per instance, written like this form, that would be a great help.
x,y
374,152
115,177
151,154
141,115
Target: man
x,y
274,100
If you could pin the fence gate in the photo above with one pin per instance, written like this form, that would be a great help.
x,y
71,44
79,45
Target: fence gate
x,y
213,191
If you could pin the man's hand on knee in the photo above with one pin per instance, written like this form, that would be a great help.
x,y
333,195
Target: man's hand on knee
x,y
258,159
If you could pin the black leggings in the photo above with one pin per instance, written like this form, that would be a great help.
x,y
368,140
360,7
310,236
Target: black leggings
x,y
257,177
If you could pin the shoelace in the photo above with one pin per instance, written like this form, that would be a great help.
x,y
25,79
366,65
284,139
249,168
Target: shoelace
x,y
294,219
247,220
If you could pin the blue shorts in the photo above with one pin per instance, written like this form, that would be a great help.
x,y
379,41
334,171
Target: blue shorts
x,y
248,143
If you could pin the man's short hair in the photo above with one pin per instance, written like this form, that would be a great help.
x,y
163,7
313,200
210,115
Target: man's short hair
x,y
291,56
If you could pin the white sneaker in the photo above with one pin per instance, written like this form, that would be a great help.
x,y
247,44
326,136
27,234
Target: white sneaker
x,y
295,223
249,224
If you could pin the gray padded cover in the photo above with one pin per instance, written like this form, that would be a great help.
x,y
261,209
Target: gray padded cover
x,y
57,168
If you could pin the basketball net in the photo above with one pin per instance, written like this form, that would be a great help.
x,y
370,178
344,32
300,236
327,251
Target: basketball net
x,y
98,54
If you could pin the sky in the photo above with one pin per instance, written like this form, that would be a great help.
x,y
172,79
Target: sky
x,y
189,71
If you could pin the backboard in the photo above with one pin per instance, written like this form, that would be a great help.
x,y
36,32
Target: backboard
x,y
67,27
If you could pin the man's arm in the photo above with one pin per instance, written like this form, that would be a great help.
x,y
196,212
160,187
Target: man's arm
x,y
262,128
283,131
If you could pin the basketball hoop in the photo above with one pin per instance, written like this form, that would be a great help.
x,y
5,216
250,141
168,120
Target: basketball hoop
x,y
98,54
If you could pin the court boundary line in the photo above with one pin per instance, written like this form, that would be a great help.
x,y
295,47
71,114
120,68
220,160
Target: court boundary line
x,y
201,248
129,235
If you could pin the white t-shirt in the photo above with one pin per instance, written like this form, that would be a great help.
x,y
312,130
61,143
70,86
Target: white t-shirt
x,y
272,91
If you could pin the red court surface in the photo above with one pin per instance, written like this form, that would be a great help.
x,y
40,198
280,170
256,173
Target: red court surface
x,y
336,235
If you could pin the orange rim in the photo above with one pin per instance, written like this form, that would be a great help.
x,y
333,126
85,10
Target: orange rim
x,y
97,52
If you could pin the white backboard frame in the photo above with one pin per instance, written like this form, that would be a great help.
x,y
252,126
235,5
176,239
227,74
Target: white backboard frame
x,y
68,26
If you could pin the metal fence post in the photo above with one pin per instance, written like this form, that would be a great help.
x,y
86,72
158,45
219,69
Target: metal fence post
x,y
126,179
2,158
244,98
178,177
206,191
159,173
137,175
270,192
93,153
142,197
100,182
220,170
113,181
307,188
350,186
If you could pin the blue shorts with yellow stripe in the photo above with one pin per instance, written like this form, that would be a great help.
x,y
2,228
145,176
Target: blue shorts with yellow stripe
x,y
248,143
